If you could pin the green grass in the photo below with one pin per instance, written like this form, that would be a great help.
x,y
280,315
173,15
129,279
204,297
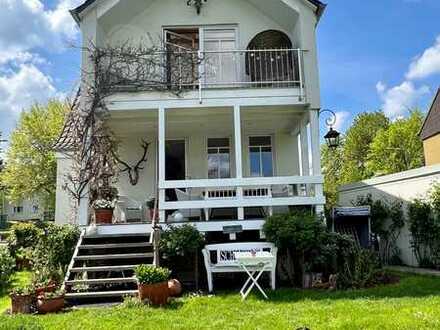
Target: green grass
x,y
412,304
18,279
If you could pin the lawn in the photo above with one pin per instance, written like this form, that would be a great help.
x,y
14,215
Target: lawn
x,y
412,304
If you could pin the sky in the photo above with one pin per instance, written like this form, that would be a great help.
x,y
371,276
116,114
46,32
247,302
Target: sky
x,y
373,54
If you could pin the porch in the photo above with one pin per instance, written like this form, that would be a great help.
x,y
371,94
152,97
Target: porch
x,y
219,167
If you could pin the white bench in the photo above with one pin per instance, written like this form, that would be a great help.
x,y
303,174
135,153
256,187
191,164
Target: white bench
x,y
224,260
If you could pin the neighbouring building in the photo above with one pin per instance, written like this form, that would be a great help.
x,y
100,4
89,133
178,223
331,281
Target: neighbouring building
x,y
430,133
24,210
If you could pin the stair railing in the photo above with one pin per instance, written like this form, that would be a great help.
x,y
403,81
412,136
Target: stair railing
x,y
72,261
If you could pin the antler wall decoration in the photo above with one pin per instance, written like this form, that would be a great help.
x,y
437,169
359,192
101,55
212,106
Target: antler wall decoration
x,y
133,171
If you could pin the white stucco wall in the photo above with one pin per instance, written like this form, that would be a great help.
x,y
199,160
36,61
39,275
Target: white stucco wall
x,y
144,20
404,187
63,205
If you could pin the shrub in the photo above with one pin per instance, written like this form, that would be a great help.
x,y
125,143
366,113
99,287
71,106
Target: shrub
x,y
360,269
24,235
7,265
177,242
54,250
424,226
300,236
148,274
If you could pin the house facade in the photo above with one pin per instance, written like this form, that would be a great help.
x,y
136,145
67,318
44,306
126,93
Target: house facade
x,y
241,140
430,133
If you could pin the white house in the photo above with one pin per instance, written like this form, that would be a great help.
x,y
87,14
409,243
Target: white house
x,y
235,145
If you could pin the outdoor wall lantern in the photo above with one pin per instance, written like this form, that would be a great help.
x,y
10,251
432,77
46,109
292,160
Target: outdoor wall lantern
x,y
197,4
333,136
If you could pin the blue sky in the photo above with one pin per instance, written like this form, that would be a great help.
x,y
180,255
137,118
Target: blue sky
x,y
373,54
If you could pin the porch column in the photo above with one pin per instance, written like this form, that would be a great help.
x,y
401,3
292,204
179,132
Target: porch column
x,y
161,163
238,156
304,141
316,154
304,147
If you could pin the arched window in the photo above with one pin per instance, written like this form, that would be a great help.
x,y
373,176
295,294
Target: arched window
x,y
271,60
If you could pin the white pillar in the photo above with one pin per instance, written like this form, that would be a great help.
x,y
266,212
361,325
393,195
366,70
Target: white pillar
x,y
161,147
316,154
305,167
238,155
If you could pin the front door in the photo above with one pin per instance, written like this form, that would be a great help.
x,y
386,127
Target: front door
x,y
175,164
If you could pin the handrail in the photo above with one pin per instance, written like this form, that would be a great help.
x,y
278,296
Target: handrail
x,y
244,182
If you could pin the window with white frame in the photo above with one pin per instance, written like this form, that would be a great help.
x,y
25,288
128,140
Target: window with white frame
x,y
219,158
261,156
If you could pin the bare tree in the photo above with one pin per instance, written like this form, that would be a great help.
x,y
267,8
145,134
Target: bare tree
x,y
116,69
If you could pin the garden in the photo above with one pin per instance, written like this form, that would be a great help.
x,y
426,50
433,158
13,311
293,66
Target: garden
x,y
321,276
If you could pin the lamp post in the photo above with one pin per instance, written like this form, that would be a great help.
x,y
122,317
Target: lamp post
x,y
197,4
332,138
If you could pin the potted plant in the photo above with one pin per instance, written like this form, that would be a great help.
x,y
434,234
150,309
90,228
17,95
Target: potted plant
x,y
152,209
22,300
50,302
153,284
104,210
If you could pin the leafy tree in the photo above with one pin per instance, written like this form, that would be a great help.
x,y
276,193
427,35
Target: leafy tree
x,y
397,148
331,168
31,165
357,144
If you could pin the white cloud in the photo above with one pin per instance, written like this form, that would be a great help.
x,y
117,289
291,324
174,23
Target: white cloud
x,y
342,118
27,24
398,99
426,64
24,87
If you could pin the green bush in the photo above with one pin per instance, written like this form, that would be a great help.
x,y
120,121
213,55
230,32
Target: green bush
x,y
148,274
424,226
54,250
180,241
7,265
297,231
23,235
360,269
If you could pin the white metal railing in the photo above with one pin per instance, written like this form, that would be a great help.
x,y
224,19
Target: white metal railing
x,y
181,68
246,192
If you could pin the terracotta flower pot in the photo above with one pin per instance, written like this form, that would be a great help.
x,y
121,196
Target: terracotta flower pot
x,y
51,287
50,305
174,288
103,216
157,294
21,304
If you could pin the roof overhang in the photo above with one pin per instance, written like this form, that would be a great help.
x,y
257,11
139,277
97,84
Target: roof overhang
x,y
76,12
423,135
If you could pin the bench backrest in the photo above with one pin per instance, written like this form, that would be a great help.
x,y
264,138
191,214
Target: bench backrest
x,y
223,254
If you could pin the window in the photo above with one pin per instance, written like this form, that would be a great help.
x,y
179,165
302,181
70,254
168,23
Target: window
x,y
35,208
260,155
18,209
219,159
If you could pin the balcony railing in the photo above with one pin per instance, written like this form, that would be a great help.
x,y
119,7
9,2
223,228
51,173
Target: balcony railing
x,y
181,69
246,192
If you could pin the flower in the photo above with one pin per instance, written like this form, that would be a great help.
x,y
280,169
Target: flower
x,y
104,204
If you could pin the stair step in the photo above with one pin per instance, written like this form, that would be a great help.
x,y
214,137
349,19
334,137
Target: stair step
x,y
114,245
102,268
115,256
117,235
103,281
102,294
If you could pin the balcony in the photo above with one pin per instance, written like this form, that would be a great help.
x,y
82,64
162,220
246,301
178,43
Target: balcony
x,y
181,71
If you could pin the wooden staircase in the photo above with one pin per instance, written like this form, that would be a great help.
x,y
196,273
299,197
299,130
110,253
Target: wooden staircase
x,y
101,269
